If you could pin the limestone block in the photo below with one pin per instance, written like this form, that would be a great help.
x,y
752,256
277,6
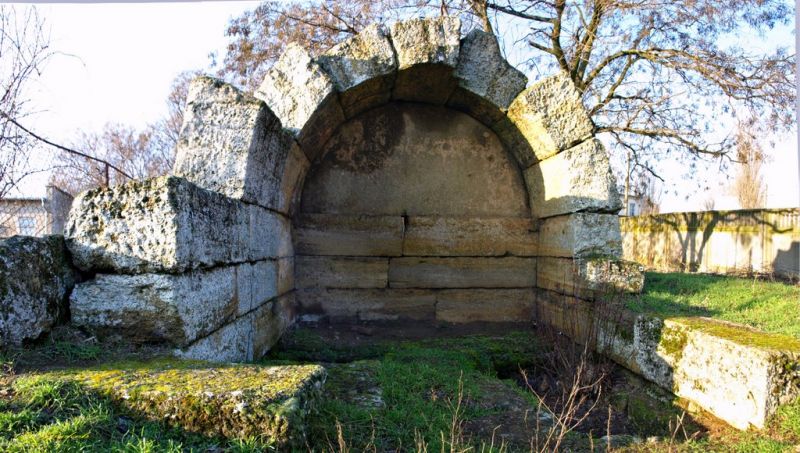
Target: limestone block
x,y
233,144
303,96
263,280
567,314
247,337
736,373
487,84
589,278
460,272
214,401
341,272
578,179
485,305
35,279
324,234
293,173
363,69
480,236
549,116
580,235
427,54
177,309
369,304
167,224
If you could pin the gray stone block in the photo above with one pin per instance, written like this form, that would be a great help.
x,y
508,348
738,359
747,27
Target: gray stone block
x,y
485,305
368,304
167,224
581,235
499,272
481,236
341,272
578,179
325,234
589,278
35,279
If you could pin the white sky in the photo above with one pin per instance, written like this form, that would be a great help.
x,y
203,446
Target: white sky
x,y
117,62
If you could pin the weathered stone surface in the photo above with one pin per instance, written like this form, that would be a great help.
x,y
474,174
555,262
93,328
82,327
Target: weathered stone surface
x,y
167,224
736,373
567,314
427,54
550,117
323,234
459,272
412,159
363,69
485,305
483,236
341,272
232,401
35,279
293,172
578,179
487,84
369,304
303,96
581,235
179,308
233,144
247,337
589,278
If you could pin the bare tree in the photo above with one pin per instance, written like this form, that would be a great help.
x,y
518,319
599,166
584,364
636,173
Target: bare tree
x,y
24,49
653,74
748,185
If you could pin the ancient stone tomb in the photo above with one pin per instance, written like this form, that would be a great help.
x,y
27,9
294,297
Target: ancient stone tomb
x,y
407,175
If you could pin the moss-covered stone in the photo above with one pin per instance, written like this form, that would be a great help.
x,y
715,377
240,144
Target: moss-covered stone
x,y
742,335
234,401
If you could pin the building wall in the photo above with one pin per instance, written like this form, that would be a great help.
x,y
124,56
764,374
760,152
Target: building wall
x,y
761,241
35,217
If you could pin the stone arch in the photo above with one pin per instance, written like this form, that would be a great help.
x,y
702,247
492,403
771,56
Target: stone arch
x,y
210,248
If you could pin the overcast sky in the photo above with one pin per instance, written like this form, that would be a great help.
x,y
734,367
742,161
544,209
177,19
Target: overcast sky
x,y
117,61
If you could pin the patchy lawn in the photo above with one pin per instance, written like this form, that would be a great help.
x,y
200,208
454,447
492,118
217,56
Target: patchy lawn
x,y
770,306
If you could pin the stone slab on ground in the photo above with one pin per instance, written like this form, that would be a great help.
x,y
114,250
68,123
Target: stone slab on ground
x,y
455,236
582,234
368,304
233,144
341,272
327,234
233,401
176,308
578,179
35,280
738,374
462,272
247,337
485,305
168,224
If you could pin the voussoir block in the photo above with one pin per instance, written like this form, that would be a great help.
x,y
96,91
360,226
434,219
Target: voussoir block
x,y
427,55
487,84
544,120
168,224
363,69
233,144
303,96
578,179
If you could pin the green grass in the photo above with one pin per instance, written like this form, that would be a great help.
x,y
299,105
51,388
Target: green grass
x,y
770,306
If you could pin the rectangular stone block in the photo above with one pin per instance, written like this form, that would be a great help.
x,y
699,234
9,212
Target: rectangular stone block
x,y
589,278
264,280
168,224
567,314
578,179
176,308
505,272
325,234
368,304
485,305
233,144
738,374
341,272
580,235
452,236
246,338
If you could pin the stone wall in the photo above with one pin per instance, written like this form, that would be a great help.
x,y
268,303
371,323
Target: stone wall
x,y
760,241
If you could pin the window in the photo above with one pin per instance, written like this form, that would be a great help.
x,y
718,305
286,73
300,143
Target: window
x,y
26,226
632,208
